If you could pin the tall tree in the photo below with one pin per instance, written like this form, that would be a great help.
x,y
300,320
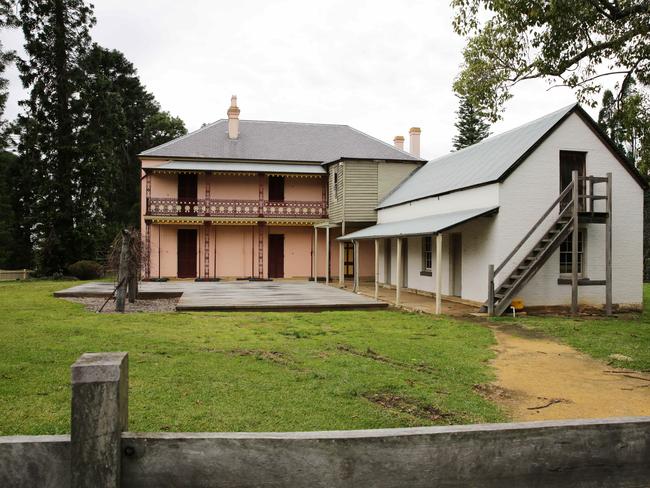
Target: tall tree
x,y
121,119
571,43
7,218
471,125
8,19
56,36
626,120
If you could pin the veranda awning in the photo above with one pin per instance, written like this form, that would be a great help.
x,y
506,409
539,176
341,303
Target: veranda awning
x,y
431,224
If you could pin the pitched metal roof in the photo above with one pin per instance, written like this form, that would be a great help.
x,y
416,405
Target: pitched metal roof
x,y
482,163
279,141
242,166
428,225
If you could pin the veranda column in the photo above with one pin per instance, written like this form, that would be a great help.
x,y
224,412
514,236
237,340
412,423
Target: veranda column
x,y
341,263
327,255
355,287
438,274
315,254
398,270
376,269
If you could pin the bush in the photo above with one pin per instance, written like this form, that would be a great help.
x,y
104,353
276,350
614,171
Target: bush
x,y
85,270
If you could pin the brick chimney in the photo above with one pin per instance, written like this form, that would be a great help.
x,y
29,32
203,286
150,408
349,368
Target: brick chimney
x,y
399,142
414,143
233,118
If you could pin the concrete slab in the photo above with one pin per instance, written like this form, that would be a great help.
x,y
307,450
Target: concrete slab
x,y
240,295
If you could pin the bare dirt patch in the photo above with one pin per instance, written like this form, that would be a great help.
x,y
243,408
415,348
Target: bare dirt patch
x,y
154,305
541,379
408,406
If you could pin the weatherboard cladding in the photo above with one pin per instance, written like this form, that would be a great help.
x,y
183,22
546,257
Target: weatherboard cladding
x,y
482,163
278,141
360,191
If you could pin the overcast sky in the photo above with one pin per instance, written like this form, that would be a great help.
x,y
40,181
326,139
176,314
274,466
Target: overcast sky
x,y
380,66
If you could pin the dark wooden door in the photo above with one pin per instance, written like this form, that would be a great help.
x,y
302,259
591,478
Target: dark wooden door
x,y
186,251
276,188
276,256
348,260
187,193
572,161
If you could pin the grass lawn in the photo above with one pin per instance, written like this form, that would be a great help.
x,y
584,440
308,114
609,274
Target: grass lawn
x,y
244,371
628,335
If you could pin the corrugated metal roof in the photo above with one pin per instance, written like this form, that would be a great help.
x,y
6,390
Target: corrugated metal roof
x,y
428,225
279,141
246,167
481,163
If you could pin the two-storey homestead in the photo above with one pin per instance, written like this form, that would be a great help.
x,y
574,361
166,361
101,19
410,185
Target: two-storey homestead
x,y
246,198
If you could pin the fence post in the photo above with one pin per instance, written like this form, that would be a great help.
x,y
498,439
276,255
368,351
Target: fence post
x,y
490,306
99,415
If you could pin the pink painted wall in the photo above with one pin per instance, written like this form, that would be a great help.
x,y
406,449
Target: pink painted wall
x,y
235,246
297,250
303,189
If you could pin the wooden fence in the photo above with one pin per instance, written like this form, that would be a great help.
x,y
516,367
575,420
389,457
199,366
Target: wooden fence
x,y
13,275
101,453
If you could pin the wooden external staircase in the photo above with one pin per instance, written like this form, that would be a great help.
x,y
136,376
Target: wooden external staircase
x,y
579,209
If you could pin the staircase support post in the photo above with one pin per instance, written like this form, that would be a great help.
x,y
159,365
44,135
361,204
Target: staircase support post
x,y
490,306
608,248
574,244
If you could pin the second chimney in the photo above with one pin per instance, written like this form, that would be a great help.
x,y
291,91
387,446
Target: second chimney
x,y
414,143
233,118
399,142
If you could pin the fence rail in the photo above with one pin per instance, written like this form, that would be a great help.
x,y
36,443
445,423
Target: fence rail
x,y
100,453
14,274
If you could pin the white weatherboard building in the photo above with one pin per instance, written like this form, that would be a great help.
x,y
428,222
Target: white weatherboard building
x,y
512,202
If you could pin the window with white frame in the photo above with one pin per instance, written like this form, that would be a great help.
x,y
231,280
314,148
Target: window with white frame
x,y
426,253
566,260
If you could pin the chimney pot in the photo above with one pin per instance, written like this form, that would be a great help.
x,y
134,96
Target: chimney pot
x,y
414,143
233,118
399,142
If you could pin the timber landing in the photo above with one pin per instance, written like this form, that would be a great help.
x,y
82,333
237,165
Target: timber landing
x,y
239,295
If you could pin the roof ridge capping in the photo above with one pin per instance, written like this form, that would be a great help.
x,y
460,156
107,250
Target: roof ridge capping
x,y
494,159
451,181
564,111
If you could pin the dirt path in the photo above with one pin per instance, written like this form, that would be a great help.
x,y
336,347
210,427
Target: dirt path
x,y
540,379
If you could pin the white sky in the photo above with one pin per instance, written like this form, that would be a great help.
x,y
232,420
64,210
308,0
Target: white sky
x,y
380,66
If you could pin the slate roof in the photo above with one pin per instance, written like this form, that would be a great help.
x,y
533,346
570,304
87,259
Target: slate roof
x,y
279,141
482,163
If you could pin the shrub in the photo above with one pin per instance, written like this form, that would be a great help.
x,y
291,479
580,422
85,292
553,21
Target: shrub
x,y
85,270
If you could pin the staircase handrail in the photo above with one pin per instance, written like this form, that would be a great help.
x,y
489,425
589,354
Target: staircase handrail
x,y
564,193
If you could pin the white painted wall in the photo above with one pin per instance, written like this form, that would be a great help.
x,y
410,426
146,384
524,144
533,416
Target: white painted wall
x,y
531,189
479,197
523,197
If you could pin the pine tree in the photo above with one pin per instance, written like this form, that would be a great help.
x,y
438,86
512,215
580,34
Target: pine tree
x,y
471,124
121,119
56,36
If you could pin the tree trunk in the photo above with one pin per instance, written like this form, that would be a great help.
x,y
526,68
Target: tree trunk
x,y
133,285
123,272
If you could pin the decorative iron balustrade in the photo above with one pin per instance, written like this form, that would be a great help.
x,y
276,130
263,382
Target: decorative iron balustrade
x,y
173,207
